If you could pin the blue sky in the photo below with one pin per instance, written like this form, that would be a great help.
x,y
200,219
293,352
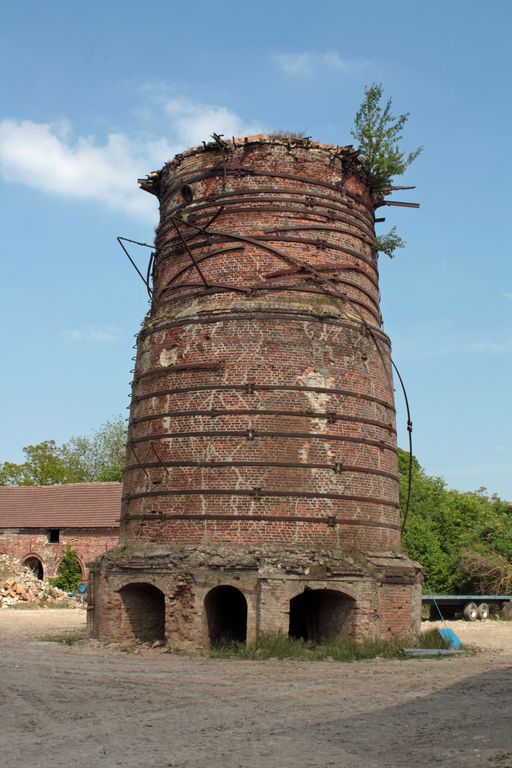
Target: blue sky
x,y
94,95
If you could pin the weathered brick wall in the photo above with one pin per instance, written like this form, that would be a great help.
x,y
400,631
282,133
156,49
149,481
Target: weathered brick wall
x,y
269,579
262,406
87,543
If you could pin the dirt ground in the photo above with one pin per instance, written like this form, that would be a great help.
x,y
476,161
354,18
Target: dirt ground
x,y
88,706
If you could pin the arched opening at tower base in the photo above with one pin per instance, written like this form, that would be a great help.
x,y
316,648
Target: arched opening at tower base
x,y
143,613
226,615
321,614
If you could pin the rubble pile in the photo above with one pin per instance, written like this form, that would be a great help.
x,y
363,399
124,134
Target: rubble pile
x,y
18,584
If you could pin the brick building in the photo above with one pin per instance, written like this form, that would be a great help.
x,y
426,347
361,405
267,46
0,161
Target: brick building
x,y
37,522
261,486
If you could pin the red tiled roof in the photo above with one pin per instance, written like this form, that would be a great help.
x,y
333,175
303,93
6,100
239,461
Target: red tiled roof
x,y
77,505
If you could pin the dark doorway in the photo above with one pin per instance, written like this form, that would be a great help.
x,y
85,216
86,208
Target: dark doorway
x,y
35,565
321,614
144,613
226,614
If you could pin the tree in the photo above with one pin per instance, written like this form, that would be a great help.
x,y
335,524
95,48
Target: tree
x,y
379,134
69,574
99,458
44,465
462,540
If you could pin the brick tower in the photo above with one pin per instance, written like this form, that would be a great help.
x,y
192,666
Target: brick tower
x,y
261,487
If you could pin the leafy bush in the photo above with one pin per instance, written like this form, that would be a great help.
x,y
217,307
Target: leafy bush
x,y
462,540
379,133
389,242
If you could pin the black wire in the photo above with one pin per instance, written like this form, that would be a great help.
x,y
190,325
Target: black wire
x,y
409,430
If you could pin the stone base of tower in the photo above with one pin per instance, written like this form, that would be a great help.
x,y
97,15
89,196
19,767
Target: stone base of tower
x,y
190,599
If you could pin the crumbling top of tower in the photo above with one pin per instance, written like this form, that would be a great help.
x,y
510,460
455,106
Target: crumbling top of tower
x,y
346,155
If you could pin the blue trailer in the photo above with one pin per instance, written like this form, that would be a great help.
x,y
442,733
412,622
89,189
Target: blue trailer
x,y
472,607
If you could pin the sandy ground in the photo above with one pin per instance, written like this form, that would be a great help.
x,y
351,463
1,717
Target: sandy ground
x,y
87,706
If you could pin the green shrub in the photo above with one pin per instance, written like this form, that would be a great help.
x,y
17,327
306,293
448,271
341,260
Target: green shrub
x,y
70,573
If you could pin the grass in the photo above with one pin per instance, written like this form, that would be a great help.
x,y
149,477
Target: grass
x,y
287,135
28,606
67,638
280,646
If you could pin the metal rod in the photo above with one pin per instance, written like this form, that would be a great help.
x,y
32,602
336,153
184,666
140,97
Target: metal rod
x,y
160,462
132,449
271,518
214,413
184,242
178,368
253,314
267,465
263,388
381,444
146,283
262,493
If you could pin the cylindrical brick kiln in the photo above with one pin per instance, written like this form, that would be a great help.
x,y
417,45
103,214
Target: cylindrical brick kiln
x,y
261,488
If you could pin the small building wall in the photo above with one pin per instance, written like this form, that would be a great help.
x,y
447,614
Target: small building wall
x,y
88,543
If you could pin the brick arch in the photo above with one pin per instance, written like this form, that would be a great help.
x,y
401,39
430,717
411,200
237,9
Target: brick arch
x,y
34,558
226,615
322,614
128,579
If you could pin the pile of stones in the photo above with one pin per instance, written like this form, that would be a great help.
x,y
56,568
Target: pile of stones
x,y
18,584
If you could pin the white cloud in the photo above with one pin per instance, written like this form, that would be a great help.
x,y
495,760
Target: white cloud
x,y
308,64
106,335
508,295
44,156
193,122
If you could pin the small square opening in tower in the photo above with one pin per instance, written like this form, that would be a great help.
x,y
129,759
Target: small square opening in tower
x,y
54,536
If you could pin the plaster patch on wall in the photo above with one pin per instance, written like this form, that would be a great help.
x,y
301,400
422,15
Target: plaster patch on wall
x,y
169,356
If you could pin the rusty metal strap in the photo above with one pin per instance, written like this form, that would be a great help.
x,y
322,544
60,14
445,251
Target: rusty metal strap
x,y
252,434
214,366
242,170
322,244
214,413
308,199
302,213
330,521
260,493
251,388
199,259
253,314
338,467
320,228
291,287
212,288
263,289
259,240
327,284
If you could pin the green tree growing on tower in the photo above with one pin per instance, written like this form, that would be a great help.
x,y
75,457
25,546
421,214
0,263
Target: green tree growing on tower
x,y
379,134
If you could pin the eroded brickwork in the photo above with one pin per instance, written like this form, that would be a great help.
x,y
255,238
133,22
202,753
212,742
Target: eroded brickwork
x,y
34,543
262,405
